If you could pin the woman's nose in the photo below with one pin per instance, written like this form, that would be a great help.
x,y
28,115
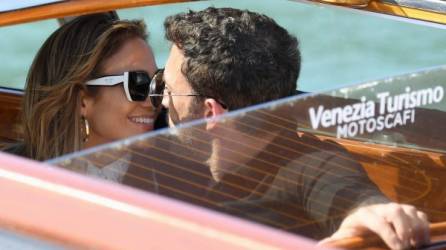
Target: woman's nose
x,y
146,102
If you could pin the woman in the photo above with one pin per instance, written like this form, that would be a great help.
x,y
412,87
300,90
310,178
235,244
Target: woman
x,y
88,85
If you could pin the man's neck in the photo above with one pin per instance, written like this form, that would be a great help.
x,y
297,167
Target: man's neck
x,y
231,154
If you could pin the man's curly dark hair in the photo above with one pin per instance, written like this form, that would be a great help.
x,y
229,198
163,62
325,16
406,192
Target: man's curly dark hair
x,y
237,57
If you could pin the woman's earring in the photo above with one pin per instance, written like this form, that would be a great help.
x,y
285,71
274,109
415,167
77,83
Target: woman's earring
x,y
87,129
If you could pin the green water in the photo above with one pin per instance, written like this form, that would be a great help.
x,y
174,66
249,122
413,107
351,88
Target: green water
x,y
339,46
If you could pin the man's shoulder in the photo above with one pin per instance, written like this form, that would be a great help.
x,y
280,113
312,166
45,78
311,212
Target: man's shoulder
x,y
315,154
309,145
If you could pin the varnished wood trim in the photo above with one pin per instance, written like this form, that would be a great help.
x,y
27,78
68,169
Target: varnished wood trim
x,y
73,8
79,7
10,97
349,3
392,9
436,229
10,129
381,150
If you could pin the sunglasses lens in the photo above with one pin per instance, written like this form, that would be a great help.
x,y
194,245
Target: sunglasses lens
x,y
139,84
157,88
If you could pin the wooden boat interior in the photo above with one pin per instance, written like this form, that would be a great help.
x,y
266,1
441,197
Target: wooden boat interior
x,y
407,162
407,165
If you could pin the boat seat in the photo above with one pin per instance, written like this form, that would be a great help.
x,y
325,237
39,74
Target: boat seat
x,y
10,128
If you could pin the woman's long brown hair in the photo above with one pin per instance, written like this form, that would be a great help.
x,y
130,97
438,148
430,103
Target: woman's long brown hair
x,y
69,57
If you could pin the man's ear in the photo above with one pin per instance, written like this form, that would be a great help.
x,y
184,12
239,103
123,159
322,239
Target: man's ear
x,y
212,109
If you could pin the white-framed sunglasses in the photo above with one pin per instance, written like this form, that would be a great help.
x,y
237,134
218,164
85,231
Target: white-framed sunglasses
x,y
136,84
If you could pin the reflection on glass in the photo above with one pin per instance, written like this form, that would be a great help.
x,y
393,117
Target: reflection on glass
x,y
270,165
394,111
14,240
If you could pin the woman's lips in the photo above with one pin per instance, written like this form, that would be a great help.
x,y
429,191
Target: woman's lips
x,y
145,121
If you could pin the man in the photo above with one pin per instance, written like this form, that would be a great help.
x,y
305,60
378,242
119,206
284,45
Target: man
x,y
225,59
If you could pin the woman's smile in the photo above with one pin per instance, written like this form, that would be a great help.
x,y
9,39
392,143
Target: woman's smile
x,y
146,121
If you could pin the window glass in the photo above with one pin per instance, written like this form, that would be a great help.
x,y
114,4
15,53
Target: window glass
x,y
340,46
13,240
298,164
19,44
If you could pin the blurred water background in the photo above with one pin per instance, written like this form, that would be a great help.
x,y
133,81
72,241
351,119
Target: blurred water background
x,y
340,46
